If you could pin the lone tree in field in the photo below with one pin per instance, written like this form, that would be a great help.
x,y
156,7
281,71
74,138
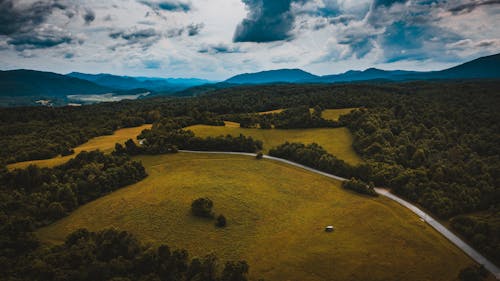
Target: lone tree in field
x,y
221,221
202,207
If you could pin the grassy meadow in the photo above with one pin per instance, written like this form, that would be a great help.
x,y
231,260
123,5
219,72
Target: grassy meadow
x,y
337,141
276,217
103,143
334,114
271,111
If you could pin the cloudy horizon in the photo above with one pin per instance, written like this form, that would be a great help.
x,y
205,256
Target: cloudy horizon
x,y
215,39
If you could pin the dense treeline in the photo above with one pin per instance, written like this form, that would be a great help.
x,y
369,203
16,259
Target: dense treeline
x,y
360,186
118,255
34,197
315,156
483,232
439,150
168,136
290,118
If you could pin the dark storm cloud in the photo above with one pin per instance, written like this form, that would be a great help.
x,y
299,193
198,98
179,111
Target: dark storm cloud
x,y
469,7
403,41
400,31
191,30
170,5
44,36
360,44
219,49
16,18
135,35
25,24
144,38
267,21
386,3
88,16
194,29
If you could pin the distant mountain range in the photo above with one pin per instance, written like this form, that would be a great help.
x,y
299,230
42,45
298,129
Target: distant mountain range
x,y
37,83
20,84
272,76
129,83
485,67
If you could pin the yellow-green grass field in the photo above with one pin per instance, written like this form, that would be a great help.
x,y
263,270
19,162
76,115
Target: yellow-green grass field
x,y
334,114
271,111
103,143
337,141
276,216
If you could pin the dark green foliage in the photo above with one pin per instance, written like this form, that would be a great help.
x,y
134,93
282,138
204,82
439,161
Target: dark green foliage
x,y
259,155
483,231
117,255
290,118
315,156
202,207
359,186
220,221
473,273
167,141
67,151
440,151
35,197
132,148
235,271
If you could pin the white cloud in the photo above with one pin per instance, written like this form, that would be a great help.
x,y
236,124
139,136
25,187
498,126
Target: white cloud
x,y
330,36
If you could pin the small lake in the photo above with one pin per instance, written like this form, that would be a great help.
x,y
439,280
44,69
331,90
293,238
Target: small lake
x,y
110,97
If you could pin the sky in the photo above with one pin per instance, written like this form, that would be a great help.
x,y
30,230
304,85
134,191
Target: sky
x,y
216,39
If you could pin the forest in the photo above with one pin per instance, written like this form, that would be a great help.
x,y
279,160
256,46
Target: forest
x,y
434,143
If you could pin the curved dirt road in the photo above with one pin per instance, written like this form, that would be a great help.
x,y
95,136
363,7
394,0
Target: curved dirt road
x,y
476,256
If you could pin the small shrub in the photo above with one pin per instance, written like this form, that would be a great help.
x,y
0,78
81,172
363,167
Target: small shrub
x,y
259,155
221,221
67,151
202,207
473,273
360,186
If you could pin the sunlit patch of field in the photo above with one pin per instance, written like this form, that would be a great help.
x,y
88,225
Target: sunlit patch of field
x,y
337,141
103,143
271,111
276,217
231,124
334,114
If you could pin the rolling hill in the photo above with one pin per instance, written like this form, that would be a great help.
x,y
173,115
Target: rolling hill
x,y
129,83
276,216
272,76
485,67
23,82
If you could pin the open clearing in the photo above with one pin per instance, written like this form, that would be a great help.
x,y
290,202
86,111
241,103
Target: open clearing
x,y
103,143
334,114
271,111
276,216
337,141
329,114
